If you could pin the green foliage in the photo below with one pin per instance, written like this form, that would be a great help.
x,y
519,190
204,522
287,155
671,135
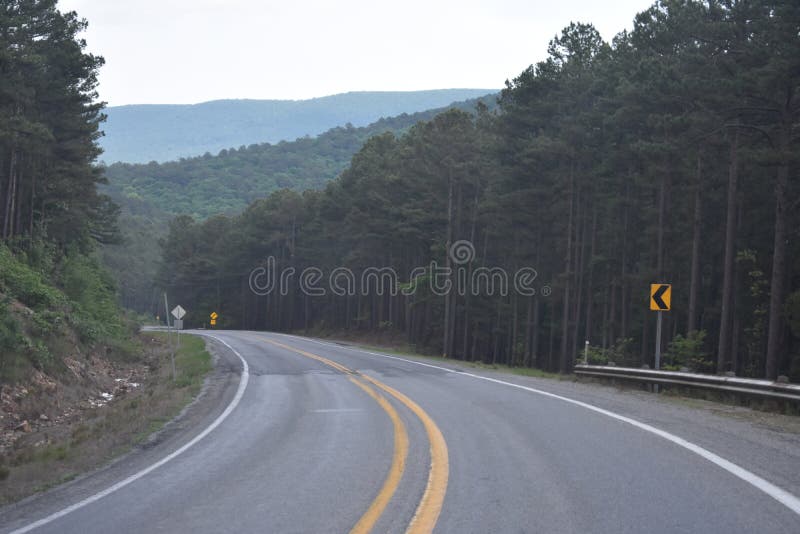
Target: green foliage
x,y
49,126
41,356
48,322
19,281
208,185
10,338
688,351
606,167
89,287
51,213
620,353
192,362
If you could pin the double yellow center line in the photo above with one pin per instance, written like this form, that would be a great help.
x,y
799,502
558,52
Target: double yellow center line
x,y
430,506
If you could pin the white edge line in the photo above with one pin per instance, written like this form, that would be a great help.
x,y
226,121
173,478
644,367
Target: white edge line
x,y
779,494
136,476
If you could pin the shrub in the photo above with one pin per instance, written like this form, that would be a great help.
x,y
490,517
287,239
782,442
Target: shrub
x,y
619,353
688,352
91,289
10,338
25,284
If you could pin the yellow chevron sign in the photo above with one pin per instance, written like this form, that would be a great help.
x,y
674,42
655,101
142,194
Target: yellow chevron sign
x,y
660,297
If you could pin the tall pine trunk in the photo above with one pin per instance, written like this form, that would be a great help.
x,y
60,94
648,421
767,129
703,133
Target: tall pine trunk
x,y
565,315
447,335
590,278
724,349
695,269
776,296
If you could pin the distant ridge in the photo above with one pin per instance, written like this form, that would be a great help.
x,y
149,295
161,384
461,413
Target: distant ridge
x,y
226,182
164,132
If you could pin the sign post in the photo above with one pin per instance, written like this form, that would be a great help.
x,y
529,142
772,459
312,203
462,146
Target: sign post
x,y
178,313
660,301
169,337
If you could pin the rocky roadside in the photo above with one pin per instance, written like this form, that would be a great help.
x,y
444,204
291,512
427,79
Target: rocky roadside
x,y
53,428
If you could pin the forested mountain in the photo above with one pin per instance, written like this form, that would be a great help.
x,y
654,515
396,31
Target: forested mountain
x,y
53,293
226,183
667,155
209,185
144,133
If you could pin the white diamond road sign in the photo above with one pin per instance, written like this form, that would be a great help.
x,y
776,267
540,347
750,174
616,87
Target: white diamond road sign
x,y
178,312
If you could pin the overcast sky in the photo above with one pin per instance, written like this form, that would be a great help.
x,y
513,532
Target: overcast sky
x,y
189,51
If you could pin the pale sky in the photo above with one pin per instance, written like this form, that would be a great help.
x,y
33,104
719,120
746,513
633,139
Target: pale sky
x,y
190,51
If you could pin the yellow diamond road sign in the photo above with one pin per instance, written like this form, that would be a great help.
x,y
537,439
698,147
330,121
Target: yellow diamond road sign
x,y
660,297
214,316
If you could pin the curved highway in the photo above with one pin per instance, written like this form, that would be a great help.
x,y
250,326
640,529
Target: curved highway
x,y
315,437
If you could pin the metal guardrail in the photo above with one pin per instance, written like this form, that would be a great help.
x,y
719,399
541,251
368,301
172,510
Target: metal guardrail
x,y
764,389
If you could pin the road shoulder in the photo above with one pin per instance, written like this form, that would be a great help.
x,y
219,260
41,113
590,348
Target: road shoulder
x,y
218,389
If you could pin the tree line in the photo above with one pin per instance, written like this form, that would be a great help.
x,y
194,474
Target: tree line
x,y
49,126
667,155
228,181
53,291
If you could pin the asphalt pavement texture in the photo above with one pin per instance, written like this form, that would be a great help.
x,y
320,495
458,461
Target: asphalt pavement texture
x,y
302,448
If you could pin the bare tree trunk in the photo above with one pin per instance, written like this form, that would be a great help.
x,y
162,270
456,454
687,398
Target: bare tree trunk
x,y
624,266
483,263
9,207
662,218
723,353
496,335
18,202
446,341
528,322
590,278
604,324
580,263
696,227
776,296
552,341
563,362
535,354
512,354
33,199
468,291
612,315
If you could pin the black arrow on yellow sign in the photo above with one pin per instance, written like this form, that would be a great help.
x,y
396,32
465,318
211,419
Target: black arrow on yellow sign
x,y
660,297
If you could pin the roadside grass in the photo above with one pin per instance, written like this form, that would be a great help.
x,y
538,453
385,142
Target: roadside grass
x,y
56,454
192,362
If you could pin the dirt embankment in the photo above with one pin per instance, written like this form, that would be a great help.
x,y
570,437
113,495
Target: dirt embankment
x,y
53,428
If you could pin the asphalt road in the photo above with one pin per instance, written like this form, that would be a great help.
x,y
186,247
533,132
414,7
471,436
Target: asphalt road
x,y
316,437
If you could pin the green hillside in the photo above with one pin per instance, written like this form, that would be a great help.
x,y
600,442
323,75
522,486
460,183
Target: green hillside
x,y
226,183
56,301
150,195
143,133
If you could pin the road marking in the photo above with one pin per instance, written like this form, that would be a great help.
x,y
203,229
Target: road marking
x,y
779,494
430,506
390,485
136,476
427,513
367,521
